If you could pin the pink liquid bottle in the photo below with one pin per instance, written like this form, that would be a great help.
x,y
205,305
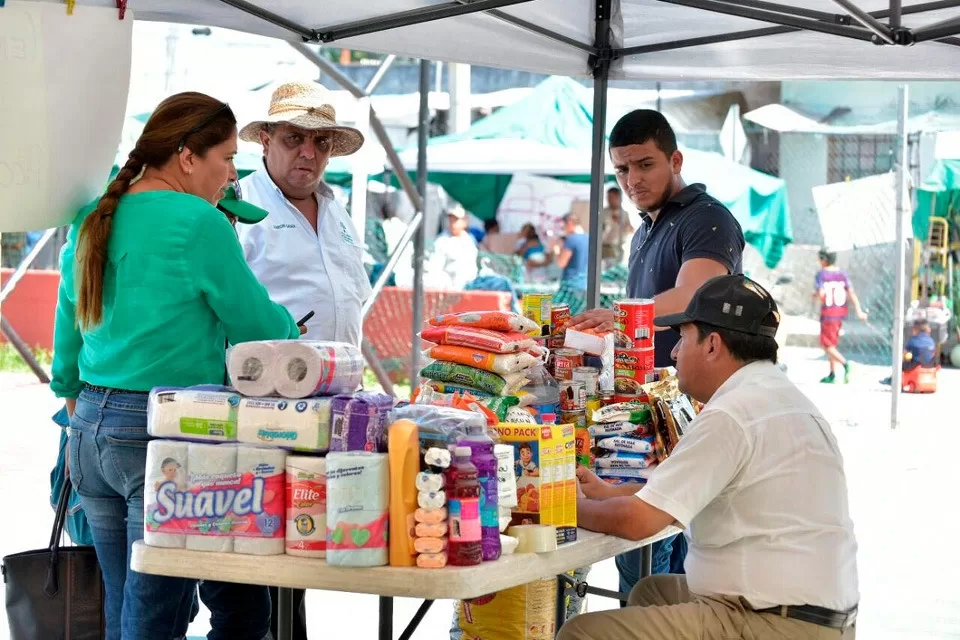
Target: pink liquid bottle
x,y
481,455
463,501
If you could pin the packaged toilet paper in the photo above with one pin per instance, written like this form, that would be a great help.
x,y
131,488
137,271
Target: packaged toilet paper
x,y
306,507
199,414
252,367
166,464
357,509
359,421
305,369
297,425
266,535
209,467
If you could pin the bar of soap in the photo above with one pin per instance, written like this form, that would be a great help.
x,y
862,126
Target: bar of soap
x,y
431,516
430,545
425,530
432,560
429,481
508,544
431,499
437,457
534,538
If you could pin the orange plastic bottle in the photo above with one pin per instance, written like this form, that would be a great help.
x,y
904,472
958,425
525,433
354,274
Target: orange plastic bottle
x,y
403,453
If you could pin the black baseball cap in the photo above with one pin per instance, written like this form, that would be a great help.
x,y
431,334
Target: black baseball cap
x,y
735,303
244,211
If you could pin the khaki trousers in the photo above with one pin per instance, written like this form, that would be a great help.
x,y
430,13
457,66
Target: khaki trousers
x,y
662,608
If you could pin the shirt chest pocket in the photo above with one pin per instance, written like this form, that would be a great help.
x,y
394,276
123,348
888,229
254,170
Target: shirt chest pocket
x,y
350,276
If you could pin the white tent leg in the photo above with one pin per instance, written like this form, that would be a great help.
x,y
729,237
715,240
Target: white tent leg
x,y
896,379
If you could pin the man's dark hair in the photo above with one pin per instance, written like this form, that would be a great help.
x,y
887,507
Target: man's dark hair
x,y
614,190
830,257
571,217
922,326
490,224
642,125
744,347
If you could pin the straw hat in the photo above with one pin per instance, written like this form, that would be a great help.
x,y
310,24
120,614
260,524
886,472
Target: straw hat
x,y
306,105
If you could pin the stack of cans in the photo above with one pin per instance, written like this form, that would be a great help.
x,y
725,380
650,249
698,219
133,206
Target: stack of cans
x,y
634,359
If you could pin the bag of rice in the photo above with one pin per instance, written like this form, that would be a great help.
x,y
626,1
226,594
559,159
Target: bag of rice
x,y
483,339
471,376
627,443
493,320
628,474
496,362
625,460
603,429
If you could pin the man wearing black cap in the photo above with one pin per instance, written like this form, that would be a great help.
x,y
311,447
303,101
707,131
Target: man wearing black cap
x,y
757,484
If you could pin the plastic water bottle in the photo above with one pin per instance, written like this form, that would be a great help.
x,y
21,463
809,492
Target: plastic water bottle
x,y
544,386
463,500
482,457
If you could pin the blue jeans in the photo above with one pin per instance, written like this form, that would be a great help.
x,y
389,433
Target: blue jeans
x,y
108,452
668,556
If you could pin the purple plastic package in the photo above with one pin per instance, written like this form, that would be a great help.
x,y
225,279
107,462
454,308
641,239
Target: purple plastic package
x,y
358,421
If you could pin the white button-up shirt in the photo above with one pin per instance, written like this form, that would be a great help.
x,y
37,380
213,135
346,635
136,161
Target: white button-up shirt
x,y
758,483
305,270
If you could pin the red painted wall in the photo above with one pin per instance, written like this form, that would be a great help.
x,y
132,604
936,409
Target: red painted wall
x,y
32,306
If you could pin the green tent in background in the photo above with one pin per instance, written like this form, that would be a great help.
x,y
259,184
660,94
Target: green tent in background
x,y
549,133
938,195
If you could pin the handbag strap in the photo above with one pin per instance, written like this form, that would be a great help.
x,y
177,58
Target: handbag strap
x,y
60,520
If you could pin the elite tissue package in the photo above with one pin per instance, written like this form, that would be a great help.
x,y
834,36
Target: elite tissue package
x,y
359,421
206,497
201,414
297,425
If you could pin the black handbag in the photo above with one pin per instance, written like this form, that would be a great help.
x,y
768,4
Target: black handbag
x,y
55,593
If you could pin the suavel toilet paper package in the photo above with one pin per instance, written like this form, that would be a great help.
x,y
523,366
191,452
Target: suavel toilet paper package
x,y
208,499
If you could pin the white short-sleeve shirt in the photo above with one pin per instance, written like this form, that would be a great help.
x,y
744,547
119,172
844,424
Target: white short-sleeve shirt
x,y
305,270
758,483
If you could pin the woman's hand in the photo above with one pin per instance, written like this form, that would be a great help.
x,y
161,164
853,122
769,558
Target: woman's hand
x,y
71,406
597,319
303,329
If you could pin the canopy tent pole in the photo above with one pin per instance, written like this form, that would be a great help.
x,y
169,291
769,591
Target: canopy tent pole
x,y
900,291
423,132
601,73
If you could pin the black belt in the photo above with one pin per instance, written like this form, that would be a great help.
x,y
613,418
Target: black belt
x,y
96,389
815,615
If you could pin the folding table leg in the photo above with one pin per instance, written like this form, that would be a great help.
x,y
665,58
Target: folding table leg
x,y
646,561
285,614
386,618
561,610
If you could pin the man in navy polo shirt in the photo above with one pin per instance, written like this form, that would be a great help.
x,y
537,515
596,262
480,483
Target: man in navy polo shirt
x,y
687,237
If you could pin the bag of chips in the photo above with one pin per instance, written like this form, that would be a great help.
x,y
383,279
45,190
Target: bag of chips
x,y
471,376
493,320
496,362
483,339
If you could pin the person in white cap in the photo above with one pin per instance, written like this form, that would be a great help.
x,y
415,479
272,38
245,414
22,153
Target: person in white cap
x,y
453,263
307,253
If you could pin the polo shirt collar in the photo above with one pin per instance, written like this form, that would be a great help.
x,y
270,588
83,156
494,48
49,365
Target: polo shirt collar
x,y
681,198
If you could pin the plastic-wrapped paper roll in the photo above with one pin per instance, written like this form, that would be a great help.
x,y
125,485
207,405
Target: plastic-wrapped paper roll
x,y
506,477
505,517
431,499
358,496
251,366
306,507
305,369
199,414
269,465
534,538
209,465
429,481
301,425
166,463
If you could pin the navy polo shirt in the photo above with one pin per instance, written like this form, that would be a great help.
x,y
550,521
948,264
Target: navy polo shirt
x,y
692,224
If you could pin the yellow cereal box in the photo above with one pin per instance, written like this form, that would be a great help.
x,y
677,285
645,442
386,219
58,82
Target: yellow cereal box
x,y
545,470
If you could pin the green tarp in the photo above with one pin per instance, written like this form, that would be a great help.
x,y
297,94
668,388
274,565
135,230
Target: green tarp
x,y
939,195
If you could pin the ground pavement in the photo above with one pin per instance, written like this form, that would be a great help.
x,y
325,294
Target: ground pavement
x,y
902,499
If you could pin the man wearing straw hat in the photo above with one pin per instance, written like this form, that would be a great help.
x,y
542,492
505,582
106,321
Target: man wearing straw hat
x,y
307,253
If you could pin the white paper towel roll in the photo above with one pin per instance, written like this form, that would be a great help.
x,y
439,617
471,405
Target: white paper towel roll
x,y
300,425
207,465
306,369
252,368
306,507
195,414
271,465
358,485
166,462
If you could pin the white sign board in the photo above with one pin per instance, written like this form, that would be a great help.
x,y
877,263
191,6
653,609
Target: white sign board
x,y
858,213
63,94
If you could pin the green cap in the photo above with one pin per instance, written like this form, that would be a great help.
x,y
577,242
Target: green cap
x,y
244,211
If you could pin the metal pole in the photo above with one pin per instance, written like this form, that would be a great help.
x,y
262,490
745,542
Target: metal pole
x,y
423,132
879,29
896,12
899,302
378,76
381,282
18,344
601,74
21,270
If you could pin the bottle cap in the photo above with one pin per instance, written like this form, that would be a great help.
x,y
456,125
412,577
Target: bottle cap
x,y
549,418
462,452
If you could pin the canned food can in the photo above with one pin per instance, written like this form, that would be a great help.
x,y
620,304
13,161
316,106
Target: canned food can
x,y
628,397
590,377
576,418
633,323
537,307
559,318
557,343
607,398
565,361
573,396
592,405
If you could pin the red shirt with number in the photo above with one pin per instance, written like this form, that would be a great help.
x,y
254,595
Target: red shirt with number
x,y
833,285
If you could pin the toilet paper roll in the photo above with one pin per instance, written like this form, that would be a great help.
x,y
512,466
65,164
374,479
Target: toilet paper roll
x,y
297,425
429,481
210,466
264,535
305,369
199,414
431,499
358,486
166,463
252,368
306,507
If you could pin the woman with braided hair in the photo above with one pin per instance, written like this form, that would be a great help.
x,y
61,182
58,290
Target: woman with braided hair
x,y
153,284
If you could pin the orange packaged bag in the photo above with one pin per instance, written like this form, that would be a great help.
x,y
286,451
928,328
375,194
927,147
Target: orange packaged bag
x,y
493,320
472,357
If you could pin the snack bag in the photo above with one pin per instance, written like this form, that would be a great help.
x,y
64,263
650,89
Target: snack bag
x,y
483,339
493,320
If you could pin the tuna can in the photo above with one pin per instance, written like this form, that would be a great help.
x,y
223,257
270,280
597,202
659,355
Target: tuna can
x,y
573,396
590,376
